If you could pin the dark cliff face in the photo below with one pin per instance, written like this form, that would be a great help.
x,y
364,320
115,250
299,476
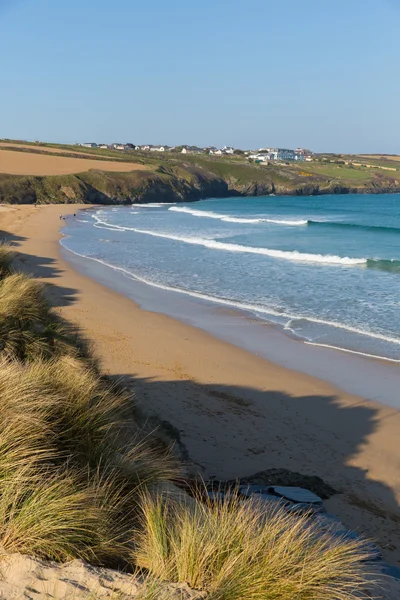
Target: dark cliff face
x,y
181,183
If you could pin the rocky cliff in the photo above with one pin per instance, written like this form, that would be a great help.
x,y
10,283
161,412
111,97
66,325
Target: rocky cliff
x,y
176,182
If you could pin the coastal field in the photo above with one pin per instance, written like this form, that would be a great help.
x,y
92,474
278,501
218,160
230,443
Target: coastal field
x,y
44,173
29,163
234,413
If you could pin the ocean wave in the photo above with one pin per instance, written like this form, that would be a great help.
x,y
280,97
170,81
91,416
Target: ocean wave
x,y
231,219
254,308
340,225
153,204
293,255
365,354
380,264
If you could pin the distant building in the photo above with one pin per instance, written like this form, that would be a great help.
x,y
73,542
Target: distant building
x,y
227,150
89,145
103,146
145,148
157,149
184,151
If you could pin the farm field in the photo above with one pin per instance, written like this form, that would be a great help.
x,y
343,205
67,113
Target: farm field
x,y
27,163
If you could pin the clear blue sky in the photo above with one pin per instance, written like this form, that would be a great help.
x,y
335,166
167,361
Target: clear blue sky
x,y
315,73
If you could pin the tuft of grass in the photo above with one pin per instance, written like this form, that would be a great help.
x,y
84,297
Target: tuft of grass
x,y
239,549
28,327
6,258
71,454
46,514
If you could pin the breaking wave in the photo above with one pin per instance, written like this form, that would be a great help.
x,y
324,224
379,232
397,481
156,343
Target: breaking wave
x,y
254,308
293,255
229,219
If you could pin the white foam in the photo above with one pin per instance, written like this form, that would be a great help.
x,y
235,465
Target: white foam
x,y
292,255
229,219
352,351
153,204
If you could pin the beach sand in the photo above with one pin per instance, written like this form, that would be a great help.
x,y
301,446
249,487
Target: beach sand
x,y
236,413
29,163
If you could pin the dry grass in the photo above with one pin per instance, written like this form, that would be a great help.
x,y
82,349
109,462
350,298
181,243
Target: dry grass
x,y
6,258
68,456
28,327
235,550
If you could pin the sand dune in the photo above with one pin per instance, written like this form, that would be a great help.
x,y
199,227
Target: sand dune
x,y
26,163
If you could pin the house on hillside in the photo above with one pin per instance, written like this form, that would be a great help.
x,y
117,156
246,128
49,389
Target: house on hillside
x,y
227,150
89,145
184,151
146,148
118,146
103,146
157,149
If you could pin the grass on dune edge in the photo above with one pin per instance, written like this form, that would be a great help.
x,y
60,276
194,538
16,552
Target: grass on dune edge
x,y
234,549
79,478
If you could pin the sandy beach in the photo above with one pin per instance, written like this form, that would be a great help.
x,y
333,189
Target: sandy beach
x,y
236,413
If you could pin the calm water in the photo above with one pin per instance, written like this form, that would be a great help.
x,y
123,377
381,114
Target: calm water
x,y
326,269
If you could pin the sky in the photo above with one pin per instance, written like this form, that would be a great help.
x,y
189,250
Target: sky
x,y
247,73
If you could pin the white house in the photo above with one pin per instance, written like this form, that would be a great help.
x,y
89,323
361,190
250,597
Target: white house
x,y
227,150
184,151
157,149
103,146
218,152
89,145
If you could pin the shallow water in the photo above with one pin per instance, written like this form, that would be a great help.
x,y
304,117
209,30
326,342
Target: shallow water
x,y
325,269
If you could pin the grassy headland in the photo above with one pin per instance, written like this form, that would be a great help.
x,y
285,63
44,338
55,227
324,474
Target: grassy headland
x,y
172,176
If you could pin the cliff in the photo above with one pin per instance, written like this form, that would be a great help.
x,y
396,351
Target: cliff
x,y
172,181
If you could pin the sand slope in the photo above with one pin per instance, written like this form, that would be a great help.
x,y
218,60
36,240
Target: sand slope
x,y
26,163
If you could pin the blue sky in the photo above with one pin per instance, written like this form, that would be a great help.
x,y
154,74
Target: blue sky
x,y
253,73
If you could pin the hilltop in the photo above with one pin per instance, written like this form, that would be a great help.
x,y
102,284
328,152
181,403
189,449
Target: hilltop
x,y
54,173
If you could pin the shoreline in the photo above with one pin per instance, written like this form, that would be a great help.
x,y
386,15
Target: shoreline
x,y
236,413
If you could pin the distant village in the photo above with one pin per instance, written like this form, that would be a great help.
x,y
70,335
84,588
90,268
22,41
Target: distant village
x,y
258,156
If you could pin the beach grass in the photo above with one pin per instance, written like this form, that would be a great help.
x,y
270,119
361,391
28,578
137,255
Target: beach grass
x,y
6,258
237,549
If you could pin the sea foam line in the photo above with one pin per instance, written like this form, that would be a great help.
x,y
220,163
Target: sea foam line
x,y
351,351
254,308
293,255
230,219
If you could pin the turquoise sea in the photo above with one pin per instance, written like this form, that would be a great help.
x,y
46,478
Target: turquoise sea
x,y
325,269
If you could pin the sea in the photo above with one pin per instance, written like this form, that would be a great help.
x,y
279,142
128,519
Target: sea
x,y
325,270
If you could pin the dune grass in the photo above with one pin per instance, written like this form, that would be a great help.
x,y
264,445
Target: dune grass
x,y
234,550
29,329
85,453
6,258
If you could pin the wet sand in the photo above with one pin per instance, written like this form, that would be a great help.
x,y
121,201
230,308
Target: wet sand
x,y
236,413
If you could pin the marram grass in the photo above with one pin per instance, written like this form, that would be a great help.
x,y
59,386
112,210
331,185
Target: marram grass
x,y
88,465
29,329
6,258
234,550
